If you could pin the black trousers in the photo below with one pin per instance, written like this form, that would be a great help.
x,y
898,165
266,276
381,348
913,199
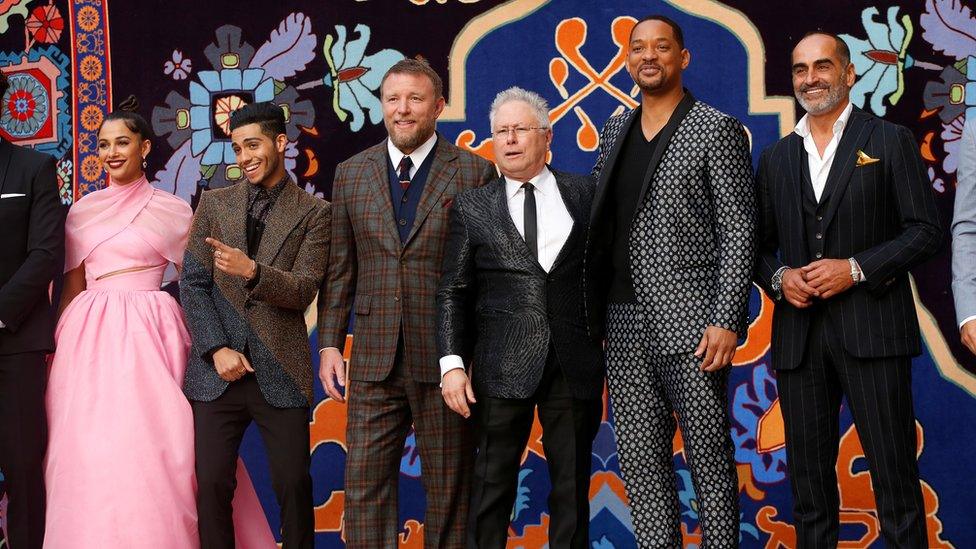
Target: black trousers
x,y
219,428
23,442
569,426
879,394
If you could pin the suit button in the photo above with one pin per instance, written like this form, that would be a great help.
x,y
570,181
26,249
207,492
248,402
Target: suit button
x,y
819,218
819,236
404,199
819,255
396,298
403,222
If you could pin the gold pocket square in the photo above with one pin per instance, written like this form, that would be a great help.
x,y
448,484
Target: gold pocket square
x,y
863,159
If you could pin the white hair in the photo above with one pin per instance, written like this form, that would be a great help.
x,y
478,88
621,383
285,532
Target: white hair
x,y
530,98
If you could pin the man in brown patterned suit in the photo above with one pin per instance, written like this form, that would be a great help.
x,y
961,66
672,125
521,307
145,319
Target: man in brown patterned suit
x,y
390,222
253,264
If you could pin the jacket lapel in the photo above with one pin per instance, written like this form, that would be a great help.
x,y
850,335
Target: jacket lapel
x,y
236,222
507,225
600,195
856,134
378,181
442,171
798,166
282,218
572,200
664,140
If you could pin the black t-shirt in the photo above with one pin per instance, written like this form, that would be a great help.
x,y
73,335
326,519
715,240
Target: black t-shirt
x,y
625,188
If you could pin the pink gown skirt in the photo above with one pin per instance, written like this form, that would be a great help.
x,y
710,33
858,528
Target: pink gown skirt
x,y
120,463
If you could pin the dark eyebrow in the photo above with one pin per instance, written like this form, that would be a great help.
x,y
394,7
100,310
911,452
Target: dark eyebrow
x,y
658,39
250,139
817,62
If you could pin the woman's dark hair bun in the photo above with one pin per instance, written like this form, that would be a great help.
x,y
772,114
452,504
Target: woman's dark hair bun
x,y
130,104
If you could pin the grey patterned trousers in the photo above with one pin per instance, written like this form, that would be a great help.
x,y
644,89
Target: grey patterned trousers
x,y
647,391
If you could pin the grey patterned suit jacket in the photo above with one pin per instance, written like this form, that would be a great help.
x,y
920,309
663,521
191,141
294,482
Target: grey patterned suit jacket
x,y
692,240
964,227
268,319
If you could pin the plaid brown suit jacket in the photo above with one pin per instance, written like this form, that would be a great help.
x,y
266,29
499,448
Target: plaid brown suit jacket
x,y
392,283
268,319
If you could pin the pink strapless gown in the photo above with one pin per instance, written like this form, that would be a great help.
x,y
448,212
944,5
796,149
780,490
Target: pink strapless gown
x,y
120,463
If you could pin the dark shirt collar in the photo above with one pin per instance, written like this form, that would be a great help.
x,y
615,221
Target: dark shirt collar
x,y
273,192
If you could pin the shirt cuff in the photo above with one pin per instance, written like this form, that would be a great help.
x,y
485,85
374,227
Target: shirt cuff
x,y
250,284
961,324
2,325
450,362
776,282
860,271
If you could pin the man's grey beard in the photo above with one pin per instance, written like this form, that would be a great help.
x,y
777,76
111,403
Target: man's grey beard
x,y
836,94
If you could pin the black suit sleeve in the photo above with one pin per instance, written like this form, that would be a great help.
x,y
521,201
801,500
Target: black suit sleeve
x,y
921,233
457,289
767,238
45,249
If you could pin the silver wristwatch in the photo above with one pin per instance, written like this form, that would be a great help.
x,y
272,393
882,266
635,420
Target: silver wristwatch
x,y
777,282
855,270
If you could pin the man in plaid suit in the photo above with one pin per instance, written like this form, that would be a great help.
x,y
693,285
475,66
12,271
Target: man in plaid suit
x,y
390,223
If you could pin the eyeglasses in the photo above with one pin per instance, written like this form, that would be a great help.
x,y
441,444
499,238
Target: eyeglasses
x,y
519,131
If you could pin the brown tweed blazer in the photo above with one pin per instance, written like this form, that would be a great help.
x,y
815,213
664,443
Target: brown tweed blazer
x,y
392,284
268,318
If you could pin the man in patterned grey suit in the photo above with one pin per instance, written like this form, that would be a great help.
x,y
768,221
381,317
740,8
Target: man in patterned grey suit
x,y
667,279
964,238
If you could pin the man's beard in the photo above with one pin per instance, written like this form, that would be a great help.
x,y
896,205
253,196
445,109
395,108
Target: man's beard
x,y
834,96
655,84
409,142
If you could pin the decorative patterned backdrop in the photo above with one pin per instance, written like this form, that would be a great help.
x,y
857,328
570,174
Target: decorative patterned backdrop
x,y
190,64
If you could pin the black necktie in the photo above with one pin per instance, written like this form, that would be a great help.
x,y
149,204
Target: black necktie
x,y
529,220
404,172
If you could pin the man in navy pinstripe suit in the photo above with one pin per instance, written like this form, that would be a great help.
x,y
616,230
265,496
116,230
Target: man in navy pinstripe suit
x,y
845,212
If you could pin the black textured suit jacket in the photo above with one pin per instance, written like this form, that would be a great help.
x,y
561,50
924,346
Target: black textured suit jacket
x,y
31,248
497,305
880,213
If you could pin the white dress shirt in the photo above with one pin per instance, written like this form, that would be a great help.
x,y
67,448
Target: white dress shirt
x,y
820,166
417,156
554,225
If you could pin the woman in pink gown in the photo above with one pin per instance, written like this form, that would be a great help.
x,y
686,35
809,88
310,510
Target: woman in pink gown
x,y
120,470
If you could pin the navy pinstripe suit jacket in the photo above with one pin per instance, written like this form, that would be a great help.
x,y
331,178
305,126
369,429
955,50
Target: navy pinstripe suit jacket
x,y
882,214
